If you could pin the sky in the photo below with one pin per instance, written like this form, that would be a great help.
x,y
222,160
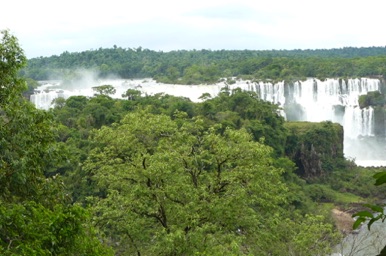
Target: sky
x,y
46,27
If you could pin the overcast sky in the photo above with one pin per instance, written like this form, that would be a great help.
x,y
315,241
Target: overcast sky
x,y
46,27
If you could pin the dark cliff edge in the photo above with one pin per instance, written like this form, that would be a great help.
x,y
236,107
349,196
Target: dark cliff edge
x,y
316,148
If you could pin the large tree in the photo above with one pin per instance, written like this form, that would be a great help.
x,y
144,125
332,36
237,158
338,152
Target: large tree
x,y
173,187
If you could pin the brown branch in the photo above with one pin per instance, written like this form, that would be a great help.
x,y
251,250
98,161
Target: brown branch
x,y
148,182
174,200
151,215
219,164
144,163
192,174
164,219
135,246
222,187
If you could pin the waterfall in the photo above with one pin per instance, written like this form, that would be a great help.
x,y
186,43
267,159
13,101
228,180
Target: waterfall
x,y
270,92
314,100
358,122
311,100
44,99
334,100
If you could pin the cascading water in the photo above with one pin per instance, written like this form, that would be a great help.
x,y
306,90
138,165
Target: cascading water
x,y
311,100
317,101
335,100
44,99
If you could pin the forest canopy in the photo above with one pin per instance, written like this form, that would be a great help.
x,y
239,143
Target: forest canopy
x,y
207,66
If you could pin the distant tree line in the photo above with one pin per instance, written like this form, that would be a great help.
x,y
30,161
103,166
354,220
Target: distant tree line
x,y
207,66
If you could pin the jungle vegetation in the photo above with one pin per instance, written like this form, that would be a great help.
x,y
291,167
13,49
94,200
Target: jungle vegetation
x,y
161,175
209,66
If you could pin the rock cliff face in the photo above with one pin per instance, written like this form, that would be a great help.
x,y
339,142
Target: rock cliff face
x,y
316,148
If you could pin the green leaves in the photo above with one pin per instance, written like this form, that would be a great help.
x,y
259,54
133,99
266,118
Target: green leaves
x,y
380,178
30,228
11,60
174,187
35,215
375,208
364,216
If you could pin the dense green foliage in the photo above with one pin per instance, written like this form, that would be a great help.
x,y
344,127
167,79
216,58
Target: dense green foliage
x,y
184,189
161,175
36,216
205,66
372,99
78,119
167,136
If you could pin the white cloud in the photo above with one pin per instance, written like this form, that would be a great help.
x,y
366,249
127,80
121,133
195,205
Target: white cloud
x,y
50,27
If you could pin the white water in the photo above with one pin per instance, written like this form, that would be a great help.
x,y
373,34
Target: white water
x,y
363,242
318,101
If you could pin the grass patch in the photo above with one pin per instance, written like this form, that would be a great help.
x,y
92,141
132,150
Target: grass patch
x,y
347,198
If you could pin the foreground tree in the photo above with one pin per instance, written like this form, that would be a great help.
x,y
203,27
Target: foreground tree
x,y
36,217
172,187
176,190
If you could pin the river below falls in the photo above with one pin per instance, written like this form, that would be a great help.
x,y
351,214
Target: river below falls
x,y
363,242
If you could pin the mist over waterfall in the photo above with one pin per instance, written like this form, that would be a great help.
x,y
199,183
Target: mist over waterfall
x,y
311,100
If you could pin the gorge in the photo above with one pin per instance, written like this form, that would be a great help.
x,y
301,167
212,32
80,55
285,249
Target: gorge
x,y
312,100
